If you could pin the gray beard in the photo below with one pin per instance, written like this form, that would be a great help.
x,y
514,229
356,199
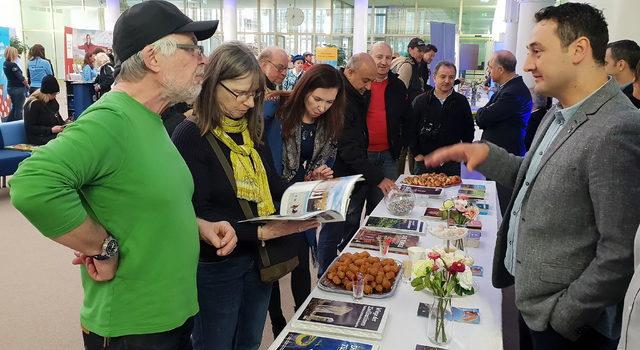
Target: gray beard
x,y
174,93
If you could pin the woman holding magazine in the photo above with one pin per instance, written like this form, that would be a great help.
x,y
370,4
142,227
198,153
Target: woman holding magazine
x,y
310,120
232,169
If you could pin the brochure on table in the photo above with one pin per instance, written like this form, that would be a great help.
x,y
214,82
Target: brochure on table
x,y
305,341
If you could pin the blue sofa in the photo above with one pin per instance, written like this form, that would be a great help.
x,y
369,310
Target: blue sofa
x,y
11,133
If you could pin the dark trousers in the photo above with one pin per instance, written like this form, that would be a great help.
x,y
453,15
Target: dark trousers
x,y
450,168
233,305
18,96
549,339
300,286
175,339
405,154
336,235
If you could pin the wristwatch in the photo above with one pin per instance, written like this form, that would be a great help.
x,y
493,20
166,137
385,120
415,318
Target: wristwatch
x,y
110,248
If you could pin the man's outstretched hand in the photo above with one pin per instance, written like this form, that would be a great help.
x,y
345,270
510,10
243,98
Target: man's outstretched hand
x,y
472,154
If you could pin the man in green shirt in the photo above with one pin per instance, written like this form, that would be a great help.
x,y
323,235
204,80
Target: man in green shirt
x,y
114,188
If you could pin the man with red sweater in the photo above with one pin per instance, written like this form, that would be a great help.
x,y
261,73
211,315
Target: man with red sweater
x,y
387,113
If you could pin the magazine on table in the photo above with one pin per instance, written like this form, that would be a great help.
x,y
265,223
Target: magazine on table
x,y
343,318
303,341
368,238
325,200
412,226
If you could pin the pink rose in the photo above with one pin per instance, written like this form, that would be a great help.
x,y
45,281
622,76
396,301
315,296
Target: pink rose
x,y
433,255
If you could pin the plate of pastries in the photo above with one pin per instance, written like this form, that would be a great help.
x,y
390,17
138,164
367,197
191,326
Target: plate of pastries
x,y
381,275
432,180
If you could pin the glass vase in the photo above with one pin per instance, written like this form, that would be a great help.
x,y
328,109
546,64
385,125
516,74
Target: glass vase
x,y
439,330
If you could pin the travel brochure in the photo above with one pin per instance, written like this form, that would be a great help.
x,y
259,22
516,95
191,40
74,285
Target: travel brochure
x,y
302,341
412,226
344,318
367,238
325,201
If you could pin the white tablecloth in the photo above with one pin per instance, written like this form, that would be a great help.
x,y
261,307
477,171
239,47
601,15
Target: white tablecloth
x,y
404,329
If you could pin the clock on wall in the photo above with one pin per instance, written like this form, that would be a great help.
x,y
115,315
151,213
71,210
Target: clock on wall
x,y
295,16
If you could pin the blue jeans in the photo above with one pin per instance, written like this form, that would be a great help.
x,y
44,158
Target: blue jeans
x,y
384,161
18,96
233,305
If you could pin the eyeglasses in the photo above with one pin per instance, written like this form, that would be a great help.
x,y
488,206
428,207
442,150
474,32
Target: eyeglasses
x,y
198,49
243,96
279,68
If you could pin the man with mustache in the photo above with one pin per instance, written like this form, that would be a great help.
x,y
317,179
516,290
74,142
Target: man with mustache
x,y
441,117
114,188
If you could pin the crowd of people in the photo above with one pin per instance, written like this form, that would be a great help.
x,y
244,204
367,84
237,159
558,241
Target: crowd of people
x,y
153,206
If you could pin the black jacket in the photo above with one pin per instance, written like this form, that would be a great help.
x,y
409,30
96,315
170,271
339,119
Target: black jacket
x,y
14,75
450,123
354,139
398,111
504,118
39,118
105,79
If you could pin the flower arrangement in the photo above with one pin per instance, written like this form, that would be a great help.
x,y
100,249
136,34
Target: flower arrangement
x,y
459,210
444,272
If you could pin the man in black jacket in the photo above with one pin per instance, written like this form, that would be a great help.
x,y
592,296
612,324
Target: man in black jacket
x,y
504,119
440,118
351,159
387,114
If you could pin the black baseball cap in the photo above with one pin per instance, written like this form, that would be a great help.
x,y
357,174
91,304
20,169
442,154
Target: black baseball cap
x,y
145,23
417,42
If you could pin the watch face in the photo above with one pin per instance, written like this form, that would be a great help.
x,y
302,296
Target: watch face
x,y
111,248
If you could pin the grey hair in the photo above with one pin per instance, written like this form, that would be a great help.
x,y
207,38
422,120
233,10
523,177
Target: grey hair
x,y
357,60
268,53
381,44
445,64
134,69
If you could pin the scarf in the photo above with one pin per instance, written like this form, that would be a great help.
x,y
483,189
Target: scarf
x,y
251,177
323,150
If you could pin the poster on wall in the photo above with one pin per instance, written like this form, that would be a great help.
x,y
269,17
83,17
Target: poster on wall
x,y
78,43
328,55
5,105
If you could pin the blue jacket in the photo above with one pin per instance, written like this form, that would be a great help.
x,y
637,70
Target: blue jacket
x,y
88,74
38,69
273,132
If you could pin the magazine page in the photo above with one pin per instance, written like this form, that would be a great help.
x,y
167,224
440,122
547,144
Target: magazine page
x,y
325,201
367,238
413,226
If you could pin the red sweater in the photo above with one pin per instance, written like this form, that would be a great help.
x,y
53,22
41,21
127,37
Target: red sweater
x,y
377,118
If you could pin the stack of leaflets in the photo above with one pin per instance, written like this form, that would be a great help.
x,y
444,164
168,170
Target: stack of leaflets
x,y
302,341
412,226
473,191
367,238
342,318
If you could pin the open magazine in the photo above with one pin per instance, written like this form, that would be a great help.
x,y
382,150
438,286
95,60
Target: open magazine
x,y
325,201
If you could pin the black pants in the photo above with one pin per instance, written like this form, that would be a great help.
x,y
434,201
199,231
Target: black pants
x,y
175,339
549,339
300,286
362,193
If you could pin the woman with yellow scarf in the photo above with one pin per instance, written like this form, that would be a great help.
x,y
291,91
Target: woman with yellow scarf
x,y
233,300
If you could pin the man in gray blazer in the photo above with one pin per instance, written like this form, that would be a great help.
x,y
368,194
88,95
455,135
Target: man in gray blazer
x,y
630,338
567,237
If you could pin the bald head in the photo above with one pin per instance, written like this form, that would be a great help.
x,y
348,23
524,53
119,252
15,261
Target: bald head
x,y
274,62
382,55
360,71
502,66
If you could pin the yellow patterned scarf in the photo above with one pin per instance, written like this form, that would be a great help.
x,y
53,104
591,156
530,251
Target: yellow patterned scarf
x,y
251,177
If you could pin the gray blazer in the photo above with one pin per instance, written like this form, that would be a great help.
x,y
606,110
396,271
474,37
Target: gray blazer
x,y
575,244
630,338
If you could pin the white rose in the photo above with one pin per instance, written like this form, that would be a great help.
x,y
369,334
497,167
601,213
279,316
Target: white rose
x,y
466,279
448,258
420,267
468,260
459,255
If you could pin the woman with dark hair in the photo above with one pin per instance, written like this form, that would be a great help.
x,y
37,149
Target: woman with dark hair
x,y
227,115
38,67
310,118
42,120
88,73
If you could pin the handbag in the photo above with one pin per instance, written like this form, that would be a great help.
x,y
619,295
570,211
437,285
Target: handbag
x,y
276,256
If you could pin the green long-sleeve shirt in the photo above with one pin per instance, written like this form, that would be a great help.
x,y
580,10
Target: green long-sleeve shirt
x,y
117,165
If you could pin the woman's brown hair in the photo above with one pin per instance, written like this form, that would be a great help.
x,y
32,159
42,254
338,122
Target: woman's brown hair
x,y
292,109
87,59
36,50
231,60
